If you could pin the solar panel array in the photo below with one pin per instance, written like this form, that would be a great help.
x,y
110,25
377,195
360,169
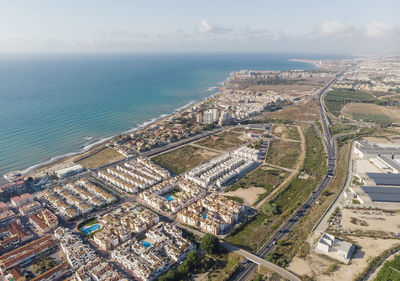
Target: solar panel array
x,y
382,194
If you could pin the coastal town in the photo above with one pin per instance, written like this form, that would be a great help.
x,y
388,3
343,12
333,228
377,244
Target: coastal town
x,y
282,169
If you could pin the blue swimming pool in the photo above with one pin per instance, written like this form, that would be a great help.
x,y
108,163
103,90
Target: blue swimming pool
x,y
145,243
90,229
169,197
204,216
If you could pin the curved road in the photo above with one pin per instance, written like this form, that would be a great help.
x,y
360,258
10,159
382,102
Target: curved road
x,y
248,269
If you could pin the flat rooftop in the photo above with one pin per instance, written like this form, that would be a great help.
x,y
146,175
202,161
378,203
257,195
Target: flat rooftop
x,y
384,179
382,194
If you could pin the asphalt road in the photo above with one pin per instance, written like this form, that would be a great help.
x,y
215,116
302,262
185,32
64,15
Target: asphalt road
x,y
248,269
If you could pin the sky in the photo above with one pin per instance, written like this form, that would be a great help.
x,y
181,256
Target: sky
x,y
353,27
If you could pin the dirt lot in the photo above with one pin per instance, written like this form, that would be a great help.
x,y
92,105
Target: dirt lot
x,y
283,153
286,132
223,141
391,112
184,158
101,158
304,111
370,220
250,195
324,269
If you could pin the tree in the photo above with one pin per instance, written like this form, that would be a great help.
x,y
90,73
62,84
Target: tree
x,y
272,209
209,244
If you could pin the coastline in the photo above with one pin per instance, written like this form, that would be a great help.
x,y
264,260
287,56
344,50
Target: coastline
x,y
310,61
66,160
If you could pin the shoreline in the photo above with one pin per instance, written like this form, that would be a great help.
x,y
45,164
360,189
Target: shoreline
x,y
59,162
310,61
67,159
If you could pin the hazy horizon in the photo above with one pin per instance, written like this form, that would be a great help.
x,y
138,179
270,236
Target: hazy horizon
x,y
314,27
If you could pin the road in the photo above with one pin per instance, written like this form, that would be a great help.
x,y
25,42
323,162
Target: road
x,y
247,270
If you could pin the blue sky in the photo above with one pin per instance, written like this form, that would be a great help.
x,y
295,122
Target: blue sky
x,y
334,27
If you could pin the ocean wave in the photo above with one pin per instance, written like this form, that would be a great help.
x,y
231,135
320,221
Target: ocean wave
x,y
87,147
212,89
51,160
185,106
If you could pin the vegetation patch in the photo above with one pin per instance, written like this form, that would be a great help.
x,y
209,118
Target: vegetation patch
x,y
380,119
286,132
223,141
101,158
283,153
337,98
183,159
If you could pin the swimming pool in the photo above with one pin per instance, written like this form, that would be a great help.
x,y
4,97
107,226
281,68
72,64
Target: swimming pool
x,y
169,197
90,229
145,243
204,216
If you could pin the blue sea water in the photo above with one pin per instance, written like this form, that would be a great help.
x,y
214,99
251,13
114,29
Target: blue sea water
x,y
51,105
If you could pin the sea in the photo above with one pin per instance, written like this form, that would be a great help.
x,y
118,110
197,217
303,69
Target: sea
x,y
56,105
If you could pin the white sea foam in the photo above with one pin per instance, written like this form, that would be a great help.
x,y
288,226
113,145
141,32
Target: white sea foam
x,y
98,142
51,160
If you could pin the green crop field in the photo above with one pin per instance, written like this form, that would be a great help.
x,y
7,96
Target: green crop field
x,y
390,270
337,98
380,119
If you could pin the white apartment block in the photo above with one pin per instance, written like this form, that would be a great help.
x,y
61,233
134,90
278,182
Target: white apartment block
x,y
223,168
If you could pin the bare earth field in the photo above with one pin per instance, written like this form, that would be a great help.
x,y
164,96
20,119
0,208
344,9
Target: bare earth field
x,y
223,141
101,158
286,132
317,266
392,112
372,220
185,158
283,153
305,111
250,195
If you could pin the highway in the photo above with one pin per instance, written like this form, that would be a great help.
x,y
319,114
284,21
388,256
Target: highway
x,y
248,269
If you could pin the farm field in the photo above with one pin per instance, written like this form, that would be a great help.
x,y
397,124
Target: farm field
x,y
283,153
337,98
391,112
379,119
223,141
185,158
390,271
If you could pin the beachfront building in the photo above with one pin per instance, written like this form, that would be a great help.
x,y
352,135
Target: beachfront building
x,y
11,189
147,261
159,197
220,170
210,116
214,214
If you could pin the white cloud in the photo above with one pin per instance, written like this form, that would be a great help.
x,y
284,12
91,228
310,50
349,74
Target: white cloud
x,y
334,28
204,27
380,29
